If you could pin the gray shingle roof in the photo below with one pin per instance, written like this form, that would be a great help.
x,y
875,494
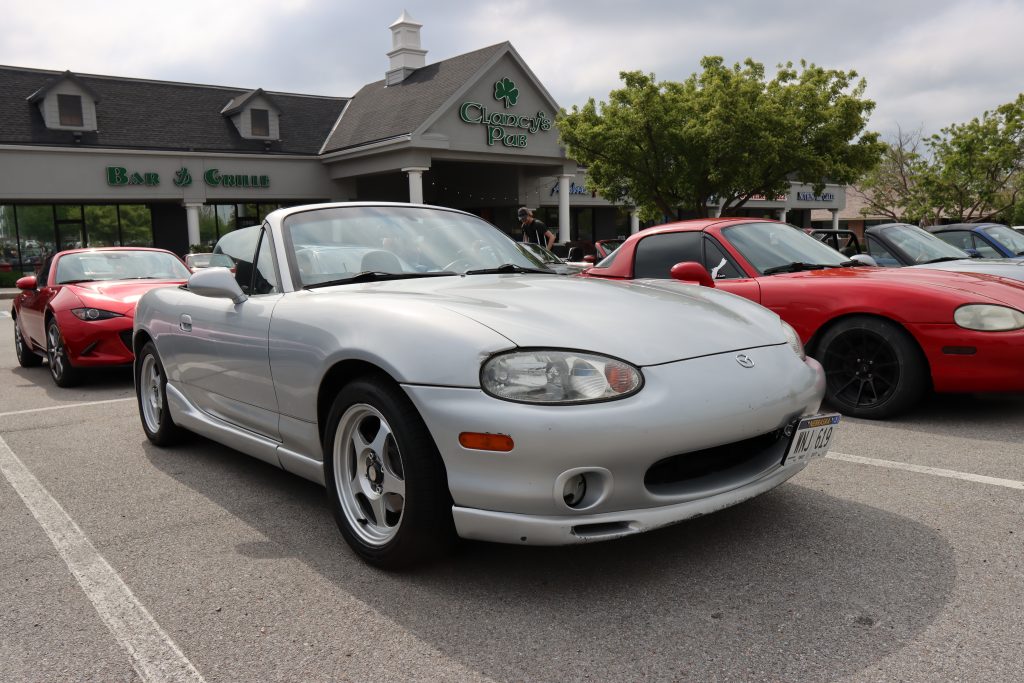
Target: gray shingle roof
x,y
141,114
377,112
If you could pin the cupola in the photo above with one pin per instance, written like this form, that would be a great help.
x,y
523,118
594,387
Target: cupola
x,y
406,54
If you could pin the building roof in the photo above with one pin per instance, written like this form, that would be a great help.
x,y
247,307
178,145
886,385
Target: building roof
x,y
142,114
378,112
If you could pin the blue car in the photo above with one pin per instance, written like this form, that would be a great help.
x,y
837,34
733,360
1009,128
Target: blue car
x,y
987,240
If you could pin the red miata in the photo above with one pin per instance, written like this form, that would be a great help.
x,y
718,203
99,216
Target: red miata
x,y
885,336
79,311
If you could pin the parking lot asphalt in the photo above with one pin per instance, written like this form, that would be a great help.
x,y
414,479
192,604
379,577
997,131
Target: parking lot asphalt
x,y
852,571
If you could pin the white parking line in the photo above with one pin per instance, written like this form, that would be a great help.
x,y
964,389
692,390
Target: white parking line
x,y
5,314
66,405
154,655
934,471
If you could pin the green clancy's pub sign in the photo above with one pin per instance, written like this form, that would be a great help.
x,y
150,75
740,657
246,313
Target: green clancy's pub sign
x,y
504,127
119,175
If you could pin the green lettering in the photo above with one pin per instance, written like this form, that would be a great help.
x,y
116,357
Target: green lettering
x,y
264,181
242,180
466,116
136,179
494,133
152,179
116,175
227,181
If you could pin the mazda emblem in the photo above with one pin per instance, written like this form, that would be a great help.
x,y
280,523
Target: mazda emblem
x,y
745,360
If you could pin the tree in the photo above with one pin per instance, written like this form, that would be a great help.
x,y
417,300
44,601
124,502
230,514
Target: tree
x,y
977,168
893,188
723,136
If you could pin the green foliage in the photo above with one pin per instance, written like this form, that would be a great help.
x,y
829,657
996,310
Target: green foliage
x,y
8,278
724,134
893,187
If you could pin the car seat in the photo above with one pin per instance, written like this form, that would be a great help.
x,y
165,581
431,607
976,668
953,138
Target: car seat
x,y
70,269
380,261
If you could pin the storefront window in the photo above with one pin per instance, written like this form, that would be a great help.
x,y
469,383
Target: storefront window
x,y
207,227
136,225
248,214
225,218
9,260
101,226
69,212
37,232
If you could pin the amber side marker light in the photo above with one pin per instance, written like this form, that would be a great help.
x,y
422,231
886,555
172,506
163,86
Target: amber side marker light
x,y
486,442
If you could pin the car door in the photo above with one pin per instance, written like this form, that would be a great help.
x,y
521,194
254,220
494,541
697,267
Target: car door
x,y
223,348
986,246
32,306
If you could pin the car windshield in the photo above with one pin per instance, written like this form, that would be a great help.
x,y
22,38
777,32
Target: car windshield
x,y
920,246
611,245
778,246
1009,238
198,260
334,244
88,266
542,254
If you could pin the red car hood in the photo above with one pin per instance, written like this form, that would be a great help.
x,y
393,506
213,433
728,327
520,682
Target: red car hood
x,y
119,296
973,286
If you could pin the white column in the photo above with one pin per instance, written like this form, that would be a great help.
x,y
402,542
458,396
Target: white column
x,y
835,218
634,222
782,214
563,207
717,211
415,183
192,216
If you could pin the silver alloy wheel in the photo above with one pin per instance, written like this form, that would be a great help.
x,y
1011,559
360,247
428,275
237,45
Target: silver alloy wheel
x,y
369,474
19,345
151,398
55,351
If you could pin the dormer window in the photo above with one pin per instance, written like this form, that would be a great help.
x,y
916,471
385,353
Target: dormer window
x,y
255,115
69,109
260,119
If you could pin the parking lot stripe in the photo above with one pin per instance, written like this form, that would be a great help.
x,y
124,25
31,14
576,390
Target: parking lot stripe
x,y
934,471
66,405
154,655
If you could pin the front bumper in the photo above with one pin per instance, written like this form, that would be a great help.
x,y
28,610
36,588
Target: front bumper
x,y
971,361
92,343
686,407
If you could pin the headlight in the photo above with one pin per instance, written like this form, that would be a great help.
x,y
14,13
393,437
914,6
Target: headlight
x,y
549,377
794,339
94,314
989,318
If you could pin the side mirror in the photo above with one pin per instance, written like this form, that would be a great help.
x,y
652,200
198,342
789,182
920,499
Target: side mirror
x,y
973,253
217,283
864,260
691,271
27,283
589,258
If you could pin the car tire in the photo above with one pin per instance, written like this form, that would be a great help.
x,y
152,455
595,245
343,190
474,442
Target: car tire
x,y
151,394
873,368
26,357
63,373
385,478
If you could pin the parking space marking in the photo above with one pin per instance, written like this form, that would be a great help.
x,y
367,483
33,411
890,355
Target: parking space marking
x,y
154,655
66,405
5,314
934,471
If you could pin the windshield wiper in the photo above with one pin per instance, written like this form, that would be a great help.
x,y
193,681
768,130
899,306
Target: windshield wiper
x,y
943,259
75,282
509,268
796,266
375,276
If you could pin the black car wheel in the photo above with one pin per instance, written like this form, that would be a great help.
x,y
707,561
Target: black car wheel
x,y
151,393
873,368
385,479
63,373
26,357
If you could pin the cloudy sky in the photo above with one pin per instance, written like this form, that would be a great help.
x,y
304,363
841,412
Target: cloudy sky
x,y
927,63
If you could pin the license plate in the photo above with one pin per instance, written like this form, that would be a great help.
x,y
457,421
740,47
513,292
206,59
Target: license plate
x,y
811,438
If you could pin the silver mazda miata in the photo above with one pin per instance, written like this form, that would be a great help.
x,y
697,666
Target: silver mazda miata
x,y
442,383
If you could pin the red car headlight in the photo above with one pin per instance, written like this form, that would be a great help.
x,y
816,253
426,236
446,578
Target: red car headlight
x,y
95,314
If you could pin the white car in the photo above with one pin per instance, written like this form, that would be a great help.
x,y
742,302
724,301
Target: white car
x,y
436,388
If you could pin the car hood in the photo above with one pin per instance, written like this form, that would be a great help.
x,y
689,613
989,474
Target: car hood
x,y
971,286
646,322
1003,267
119,296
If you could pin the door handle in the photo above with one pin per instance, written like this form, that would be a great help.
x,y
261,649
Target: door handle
x,y
186,322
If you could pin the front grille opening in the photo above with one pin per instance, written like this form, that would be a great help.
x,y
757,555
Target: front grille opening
x,y
666,476
602,529
126,338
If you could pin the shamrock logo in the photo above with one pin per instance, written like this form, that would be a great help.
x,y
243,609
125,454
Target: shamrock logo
x,y
182,177
506,90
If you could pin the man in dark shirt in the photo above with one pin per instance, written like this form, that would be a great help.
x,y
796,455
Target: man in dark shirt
x,y
533,230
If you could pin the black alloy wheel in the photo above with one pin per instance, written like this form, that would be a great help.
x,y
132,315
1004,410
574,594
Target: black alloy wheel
x,y
873,368
63,373
26,357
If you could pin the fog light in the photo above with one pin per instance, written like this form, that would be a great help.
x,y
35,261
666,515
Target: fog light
x,y
574,489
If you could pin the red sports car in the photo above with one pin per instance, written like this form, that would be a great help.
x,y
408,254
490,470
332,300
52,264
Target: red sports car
x,y
78,313
885,336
